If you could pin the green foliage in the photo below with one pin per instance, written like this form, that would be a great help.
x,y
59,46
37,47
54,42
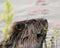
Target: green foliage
x,y
10,18
3,17
8,7
7,17
57,32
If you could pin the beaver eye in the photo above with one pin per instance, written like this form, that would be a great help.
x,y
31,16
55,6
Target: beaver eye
x,y
20,26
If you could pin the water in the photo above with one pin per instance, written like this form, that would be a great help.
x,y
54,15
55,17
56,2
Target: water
x,y
22,12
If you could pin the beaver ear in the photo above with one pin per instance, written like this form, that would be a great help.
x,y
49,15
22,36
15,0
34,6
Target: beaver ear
x,y
20,26
45,20
46,23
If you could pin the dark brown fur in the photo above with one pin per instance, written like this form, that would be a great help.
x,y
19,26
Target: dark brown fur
x,y
27,34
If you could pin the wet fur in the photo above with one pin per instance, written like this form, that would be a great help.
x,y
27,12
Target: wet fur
x,y
27,34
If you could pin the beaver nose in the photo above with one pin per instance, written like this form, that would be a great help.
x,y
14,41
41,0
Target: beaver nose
x,y
20,26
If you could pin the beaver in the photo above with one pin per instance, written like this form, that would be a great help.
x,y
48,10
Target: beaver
x,y
27,34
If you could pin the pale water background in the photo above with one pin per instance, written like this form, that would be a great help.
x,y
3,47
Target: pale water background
x,y
23,11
